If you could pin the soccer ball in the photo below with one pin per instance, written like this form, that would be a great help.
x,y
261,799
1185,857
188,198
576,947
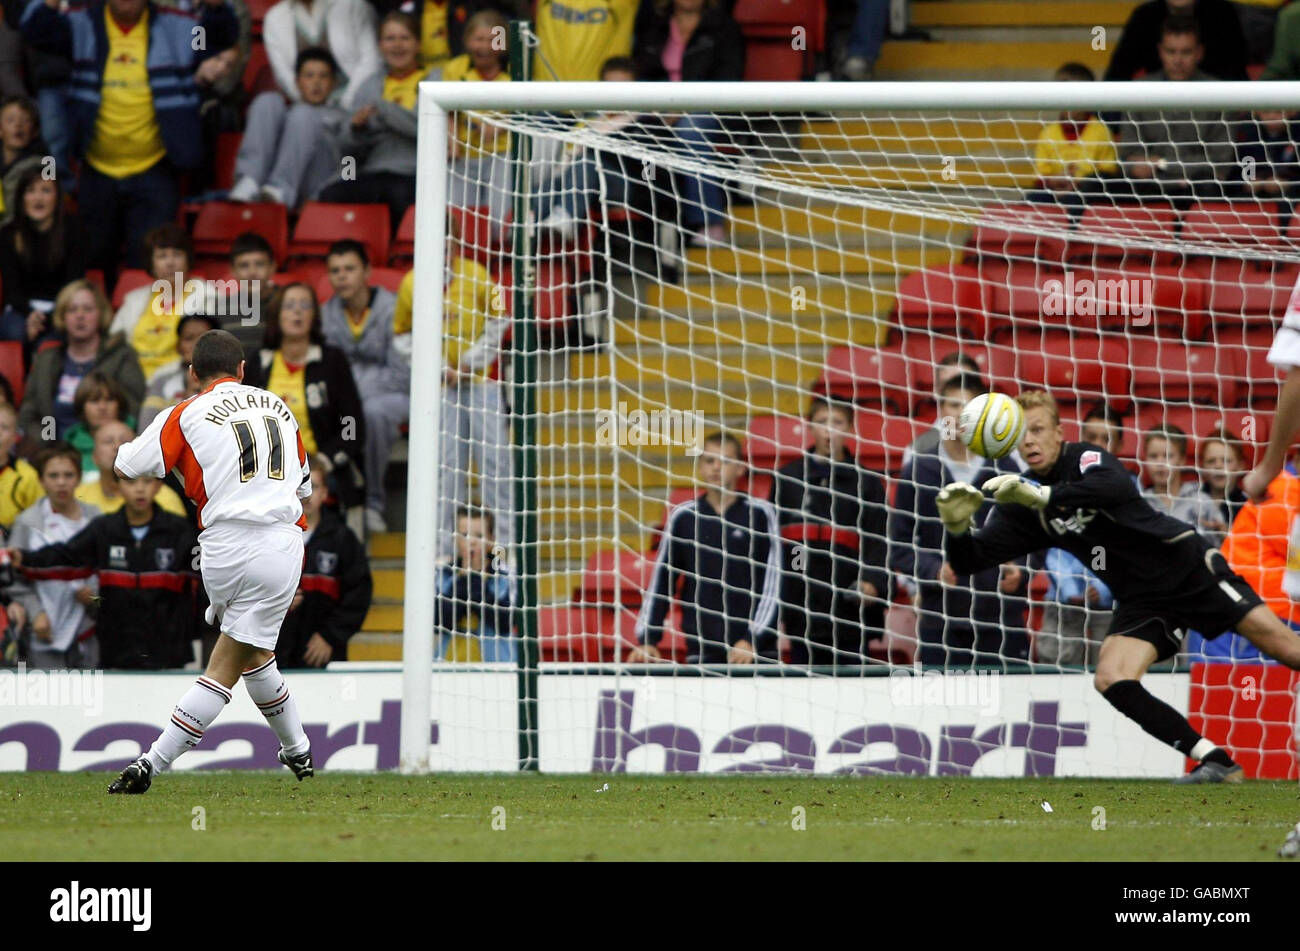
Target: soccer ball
x,y
991,425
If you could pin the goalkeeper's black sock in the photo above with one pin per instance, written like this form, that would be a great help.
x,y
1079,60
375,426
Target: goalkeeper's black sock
x,y
1155,716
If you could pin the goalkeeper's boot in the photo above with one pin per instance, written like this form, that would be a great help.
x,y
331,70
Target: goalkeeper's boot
x,y
1209,772
1291,847
300,763
136,778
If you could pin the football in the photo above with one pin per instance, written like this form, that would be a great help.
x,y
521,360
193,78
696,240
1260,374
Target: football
x,y
991,425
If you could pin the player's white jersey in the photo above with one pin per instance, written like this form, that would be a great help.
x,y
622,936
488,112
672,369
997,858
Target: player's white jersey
x,y
236,449
1285,352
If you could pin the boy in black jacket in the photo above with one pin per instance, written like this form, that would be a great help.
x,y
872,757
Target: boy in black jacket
x,y
145,560
833,520
334,593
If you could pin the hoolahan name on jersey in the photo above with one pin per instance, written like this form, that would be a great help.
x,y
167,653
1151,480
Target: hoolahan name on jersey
x,y
218,413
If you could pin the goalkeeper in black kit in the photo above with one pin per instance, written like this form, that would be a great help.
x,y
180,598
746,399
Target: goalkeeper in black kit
x,y
1164,576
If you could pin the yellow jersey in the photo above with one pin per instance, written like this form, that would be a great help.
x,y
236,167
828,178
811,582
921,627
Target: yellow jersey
x,y
127,140
20,487
575,37
92,493
290,384
1092,151
476,139
434,45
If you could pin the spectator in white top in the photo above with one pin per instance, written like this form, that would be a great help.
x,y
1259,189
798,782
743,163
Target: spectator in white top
x,y
345,27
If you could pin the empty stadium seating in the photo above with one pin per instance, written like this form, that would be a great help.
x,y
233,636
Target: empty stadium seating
x,y
320,224
946,300
615,577
219,223
866,375
768,26
11,367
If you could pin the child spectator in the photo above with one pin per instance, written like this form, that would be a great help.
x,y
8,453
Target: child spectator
x,y
963,620
474,596
81,315
1074,150
334,593
39,255
252,262
479,171
832,513
20,486
99,400
440,23
171,383
1221,466
381,135
133,107
475,425
20,149
103,489
358,320
315,382
58,603
345,28
149,314
290,149
1164,455
144,623
724,550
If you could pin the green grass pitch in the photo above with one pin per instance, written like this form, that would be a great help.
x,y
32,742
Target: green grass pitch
x,y
352,816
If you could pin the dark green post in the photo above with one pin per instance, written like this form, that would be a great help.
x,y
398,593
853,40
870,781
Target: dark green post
x,y
523,402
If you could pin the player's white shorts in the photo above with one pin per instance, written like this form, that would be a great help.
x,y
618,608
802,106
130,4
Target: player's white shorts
x,y
251,573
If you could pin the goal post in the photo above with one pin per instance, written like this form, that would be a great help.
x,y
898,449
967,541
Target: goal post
x,y
867,230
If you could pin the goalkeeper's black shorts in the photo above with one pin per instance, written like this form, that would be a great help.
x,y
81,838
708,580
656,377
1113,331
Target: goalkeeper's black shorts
x,y
1211,599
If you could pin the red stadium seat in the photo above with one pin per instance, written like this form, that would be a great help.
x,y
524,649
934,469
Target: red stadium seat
x,y
1103,227
227,152
320,224
11,367
1015,299
923,353
1011,231
942,300
1260,379
584,633
258,75
768,26
866,375
1232,223
1075,368
612,573
128,280
219,223
1240,292
1171,371
775,440
880,440
403,250
1174,300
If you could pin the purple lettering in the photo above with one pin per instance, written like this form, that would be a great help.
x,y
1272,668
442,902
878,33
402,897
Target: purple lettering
x,y
1042,736
960,748
614,739
263,739
41,741
97,740
913,750
799,749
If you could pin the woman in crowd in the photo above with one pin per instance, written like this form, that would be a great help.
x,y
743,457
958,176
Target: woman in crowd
x,y
82,315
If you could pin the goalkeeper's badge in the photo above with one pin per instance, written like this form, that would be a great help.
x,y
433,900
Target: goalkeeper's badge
x,y
991,425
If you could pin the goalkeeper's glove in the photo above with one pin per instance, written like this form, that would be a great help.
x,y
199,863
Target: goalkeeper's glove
x,y
958,502
1017,490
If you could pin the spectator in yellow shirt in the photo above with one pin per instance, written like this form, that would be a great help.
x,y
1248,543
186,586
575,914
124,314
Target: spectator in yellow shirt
x,y
575,37
20,486
480,175
101,489
1073,152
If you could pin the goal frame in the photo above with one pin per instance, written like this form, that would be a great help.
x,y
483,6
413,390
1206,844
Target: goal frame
x,y
437,100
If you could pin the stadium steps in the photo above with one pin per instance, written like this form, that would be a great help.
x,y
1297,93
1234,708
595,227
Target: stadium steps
x,y
927,14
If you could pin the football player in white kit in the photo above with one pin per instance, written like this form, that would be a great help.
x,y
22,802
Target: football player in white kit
x,y
238,451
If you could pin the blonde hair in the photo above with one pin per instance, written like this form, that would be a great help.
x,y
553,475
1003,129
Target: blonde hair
x,y
1034,399
64,300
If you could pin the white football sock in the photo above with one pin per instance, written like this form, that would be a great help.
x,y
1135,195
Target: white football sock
x,y
1202,749
271,694
191,717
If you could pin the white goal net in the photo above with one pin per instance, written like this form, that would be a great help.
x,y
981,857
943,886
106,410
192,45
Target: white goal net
x,y
823,276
